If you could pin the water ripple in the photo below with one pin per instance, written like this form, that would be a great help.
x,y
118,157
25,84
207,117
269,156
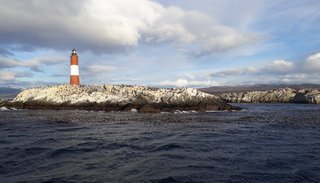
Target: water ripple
x,y
264,143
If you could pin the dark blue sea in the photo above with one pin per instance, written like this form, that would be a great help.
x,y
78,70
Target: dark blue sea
x,y
262,143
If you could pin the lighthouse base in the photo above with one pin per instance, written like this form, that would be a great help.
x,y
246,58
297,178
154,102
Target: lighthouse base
x,y
74,80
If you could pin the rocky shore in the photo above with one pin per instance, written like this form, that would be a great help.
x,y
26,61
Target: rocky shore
x,y
281,95
117,98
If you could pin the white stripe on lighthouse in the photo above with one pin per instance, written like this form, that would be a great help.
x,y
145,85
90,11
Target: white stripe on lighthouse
x,y
74,70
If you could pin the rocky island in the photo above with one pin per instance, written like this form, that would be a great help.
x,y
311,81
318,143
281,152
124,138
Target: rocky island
x,y
117,98
281,95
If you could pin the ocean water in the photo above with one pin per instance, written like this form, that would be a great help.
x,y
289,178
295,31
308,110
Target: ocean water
x,y
262,143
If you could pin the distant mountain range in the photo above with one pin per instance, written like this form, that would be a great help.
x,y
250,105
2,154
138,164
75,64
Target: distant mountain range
x,y
217,90
7,92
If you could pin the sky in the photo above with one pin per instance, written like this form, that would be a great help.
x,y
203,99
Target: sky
x,y
163,43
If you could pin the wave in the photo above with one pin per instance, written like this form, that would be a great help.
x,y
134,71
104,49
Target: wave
x,y
4,109
184,112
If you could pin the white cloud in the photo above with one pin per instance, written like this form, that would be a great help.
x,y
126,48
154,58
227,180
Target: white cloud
x,y
280,66
8,78
278,71
186,83
7,75
189,76
34,64
313,62
113,25
235,71
99,69
275,67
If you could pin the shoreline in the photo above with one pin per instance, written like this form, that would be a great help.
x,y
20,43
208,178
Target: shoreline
x,y
147,108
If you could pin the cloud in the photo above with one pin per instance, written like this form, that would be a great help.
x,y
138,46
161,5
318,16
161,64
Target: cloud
x,y
235,71
10,77
7,75
25,84
99,69
4,51
305,13
279,66
112,26
34,64
313,62
189,76
9,63
275,67
187,83
278,71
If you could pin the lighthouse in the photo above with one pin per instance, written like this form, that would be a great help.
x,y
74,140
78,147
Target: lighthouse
x,y
74,69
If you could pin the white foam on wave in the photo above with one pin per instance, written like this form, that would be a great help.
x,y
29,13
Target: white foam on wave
x,y
184,112
4,109
217,111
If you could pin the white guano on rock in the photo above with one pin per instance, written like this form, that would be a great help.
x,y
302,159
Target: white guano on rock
x,y
107,93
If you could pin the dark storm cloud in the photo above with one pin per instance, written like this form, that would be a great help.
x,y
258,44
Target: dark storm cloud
x,y
26,25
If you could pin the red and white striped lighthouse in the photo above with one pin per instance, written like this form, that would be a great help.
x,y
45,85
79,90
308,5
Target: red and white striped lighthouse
x,y
74,68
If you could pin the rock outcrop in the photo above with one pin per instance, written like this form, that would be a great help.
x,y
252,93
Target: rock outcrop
x,y
2,102
307,96
281,95
117,98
